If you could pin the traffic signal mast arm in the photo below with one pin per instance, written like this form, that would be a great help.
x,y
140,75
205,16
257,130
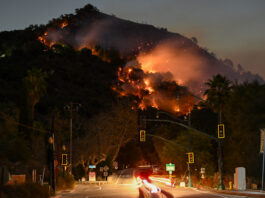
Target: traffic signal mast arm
x,y
185,126
168,141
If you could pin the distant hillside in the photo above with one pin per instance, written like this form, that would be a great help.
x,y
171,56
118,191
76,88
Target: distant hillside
x,y
104,35
89,27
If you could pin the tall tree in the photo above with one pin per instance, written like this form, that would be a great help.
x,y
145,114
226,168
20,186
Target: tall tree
x,y
35,85
105,134
218,91
245,114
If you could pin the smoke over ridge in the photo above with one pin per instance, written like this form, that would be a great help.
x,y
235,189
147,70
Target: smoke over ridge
x,y
160,58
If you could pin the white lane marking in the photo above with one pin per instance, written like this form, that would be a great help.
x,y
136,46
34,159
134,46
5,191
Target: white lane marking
x,y
220,195
119,177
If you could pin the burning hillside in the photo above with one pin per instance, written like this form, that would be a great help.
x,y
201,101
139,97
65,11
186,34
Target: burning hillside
x,y
166,65
157,90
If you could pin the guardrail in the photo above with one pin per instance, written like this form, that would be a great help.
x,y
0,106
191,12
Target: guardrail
x,y
92,182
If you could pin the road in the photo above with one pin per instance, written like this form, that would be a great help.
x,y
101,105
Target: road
x,y
104,191
131,191
124,185
194,193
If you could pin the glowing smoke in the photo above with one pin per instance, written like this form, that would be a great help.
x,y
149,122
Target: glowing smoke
x,y
165,63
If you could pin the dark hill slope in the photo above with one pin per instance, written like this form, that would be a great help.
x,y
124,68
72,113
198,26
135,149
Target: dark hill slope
x,y
89,27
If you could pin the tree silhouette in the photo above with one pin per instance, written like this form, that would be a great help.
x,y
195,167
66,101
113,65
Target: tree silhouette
x,y
217,93
35,85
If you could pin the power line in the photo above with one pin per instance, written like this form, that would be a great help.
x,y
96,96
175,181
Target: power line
x,y
4,117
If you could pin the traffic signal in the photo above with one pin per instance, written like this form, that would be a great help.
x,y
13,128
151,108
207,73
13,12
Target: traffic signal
x,y
190,157
142,135
64,160
221,131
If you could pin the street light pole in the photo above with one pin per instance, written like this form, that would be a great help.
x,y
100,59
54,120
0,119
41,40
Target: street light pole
x,y
71,135
51,149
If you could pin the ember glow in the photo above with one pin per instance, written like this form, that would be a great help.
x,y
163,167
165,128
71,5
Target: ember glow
x,y
157,90
55,36
64,24
150,78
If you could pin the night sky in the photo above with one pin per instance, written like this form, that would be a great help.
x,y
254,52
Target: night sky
x,y
232,29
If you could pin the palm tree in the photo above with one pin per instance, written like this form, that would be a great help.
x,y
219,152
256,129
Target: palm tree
x,y
35,85
217,93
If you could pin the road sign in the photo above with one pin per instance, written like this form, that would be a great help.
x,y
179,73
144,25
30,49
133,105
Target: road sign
x,y
92,176
64,160
92,166
170,167
221,131
142,135
190,157
262,133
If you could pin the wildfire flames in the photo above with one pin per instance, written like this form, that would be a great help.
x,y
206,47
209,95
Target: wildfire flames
x,y
52,37
149,78
157,90
164,67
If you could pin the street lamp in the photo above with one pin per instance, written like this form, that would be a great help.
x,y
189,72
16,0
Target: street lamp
x,y
71,107
51,162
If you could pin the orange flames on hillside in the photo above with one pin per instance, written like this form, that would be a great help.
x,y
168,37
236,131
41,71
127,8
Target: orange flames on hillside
x,y
52,37
156,79
64,24
153,90
44,39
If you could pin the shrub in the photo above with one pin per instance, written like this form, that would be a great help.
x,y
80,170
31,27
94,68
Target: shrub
x,y
64,181
28,190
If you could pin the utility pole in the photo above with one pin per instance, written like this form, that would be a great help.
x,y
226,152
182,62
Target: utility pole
x,y
70,108
71,135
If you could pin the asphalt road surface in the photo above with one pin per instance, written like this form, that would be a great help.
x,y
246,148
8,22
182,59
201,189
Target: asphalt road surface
x,y
104,191
131,191
125,186
193,193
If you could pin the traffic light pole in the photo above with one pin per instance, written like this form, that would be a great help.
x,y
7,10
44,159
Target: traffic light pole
x,y
220,160
221,184
189,182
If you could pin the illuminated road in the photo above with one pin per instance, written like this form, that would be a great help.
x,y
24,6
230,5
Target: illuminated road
x,y
193,193
131,191
104,191
125,186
